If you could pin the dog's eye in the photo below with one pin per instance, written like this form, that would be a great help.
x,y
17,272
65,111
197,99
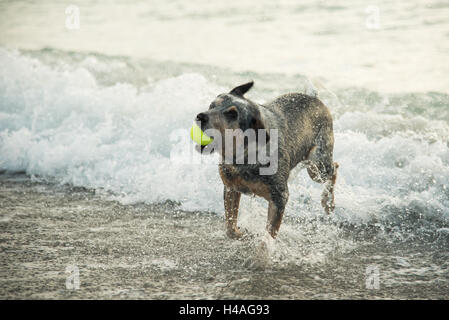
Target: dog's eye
x,y
231,114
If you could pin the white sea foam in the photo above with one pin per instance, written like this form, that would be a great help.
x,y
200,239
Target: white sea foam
x,y
60,124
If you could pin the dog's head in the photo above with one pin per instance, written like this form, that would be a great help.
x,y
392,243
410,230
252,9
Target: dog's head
x,y
231,111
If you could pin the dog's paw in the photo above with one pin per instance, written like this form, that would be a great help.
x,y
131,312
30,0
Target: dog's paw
x,y
327,201
235,233
328,204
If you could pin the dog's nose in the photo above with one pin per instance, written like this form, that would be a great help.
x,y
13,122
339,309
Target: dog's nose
x,y
202,117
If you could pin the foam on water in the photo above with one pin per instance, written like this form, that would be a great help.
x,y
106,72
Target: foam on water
x,y
131,142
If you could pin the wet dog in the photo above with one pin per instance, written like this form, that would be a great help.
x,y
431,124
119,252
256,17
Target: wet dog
x,y
304,135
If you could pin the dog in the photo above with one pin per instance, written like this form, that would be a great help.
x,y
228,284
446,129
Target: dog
x,y
305,135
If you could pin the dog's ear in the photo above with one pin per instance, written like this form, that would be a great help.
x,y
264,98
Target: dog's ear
x,y
242,89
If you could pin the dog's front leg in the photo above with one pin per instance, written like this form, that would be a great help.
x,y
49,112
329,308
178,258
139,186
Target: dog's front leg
x,y
231,204
276,209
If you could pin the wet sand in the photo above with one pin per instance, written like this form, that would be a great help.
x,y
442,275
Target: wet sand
x,y
159,252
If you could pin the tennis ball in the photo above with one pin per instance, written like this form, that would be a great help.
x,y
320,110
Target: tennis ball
x,y
197,135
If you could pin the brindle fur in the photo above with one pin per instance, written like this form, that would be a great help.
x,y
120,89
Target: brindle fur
x,y
305,132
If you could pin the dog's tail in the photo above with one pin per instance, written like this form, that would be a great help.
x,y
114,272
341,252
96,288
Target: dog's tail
x,y
317,89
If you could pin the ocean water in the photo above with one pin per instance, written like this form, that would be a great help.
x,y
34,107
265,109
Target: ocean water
x,y
108,107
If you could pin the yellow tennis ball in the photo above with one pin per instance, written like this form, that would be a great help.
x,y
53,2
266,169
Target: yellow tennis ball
x,y
197,135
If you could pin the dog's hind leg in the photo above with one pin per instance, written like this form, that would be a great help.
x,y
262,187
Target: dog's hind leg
x,y
322,169
328,197
231,204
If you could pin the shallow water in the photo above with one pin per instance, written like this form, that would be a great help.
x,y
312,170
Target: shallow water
x,y
98,170
161,252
